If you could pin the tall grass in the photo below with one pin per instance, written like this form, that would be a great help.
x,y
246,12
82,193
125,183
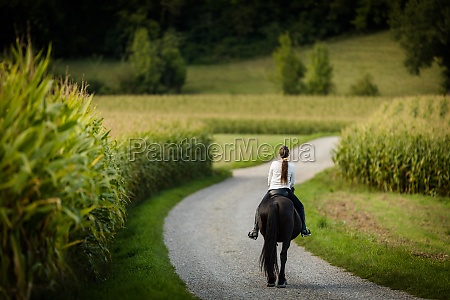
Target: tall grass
x,y
404,147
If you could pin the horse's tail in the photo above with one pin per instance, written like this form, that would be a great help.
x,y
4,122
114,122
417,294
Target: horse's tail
x,y
268,259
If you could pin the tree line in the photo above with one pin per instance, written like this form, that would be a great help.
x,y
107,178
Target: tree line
x,y
209,28
212,30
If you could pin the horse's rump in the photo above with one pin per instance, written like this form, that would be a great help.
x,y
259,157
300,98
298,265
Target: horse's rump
x,y
287,217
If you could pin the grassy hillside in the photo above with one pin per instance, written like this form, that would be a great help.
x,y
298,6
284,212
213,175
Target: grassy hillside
x,y
351,57
381,56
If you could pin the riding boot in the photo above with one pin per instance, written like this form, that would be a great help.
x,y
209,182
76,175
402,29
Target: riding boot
x,y
253,234
304,231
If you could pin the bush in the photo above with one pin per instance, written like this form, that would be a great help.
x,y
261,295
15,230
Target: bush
x,y
405,147
289,68
60,185
157,66
98,86
320,72
145,63
364,87
174,70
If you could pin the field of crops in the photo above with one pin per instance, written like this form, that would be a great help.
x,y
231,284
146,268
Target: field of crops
x,y
257,114
404,147
65,184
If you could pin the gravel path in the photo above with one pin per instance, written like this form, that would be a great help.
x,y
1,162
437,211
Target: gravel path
x,y
206,235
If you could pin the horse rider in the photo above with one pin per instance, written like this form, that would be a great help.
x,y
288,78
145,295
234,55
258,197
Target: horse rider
x,y
281,181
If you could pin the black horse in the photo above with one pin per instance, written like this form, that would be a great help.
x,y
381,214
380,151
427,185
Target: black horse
x,y
278,222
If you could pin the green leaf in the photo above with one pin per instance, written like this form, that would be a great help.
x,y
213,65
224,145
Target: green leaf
x,y
67,125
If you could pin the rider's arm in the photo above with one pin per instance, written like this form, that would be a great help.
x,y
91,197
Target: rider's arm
x,y
292,176
269,177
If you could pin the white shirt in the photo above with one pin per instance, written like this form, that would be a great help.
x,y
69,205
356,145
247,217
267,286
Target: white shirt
x,y
274,178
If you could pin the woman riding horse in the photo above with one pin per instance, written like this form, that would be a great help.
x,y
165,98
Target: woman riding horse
x,y
281,181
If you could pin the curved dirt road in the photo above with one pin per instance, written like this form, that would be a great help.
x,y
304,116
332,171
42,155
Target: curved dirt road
x,y
206,235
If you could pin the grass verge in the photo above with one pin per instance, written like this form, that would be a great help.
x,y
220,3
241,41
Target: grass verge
x,y
141,267
396,240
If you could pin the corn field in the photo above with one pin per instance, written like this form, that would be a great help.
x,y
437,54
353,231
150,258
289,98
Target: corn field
x,y
255,114
64,183
404,147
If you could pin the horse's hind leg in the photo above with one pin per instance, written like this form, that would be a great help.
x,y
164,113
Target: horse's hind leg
x,y
271,277
271,274
283,258
271,281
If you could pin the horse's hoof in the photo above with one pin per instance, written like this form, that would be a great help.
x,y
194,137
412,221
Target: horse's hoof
x,y
253,234
282,284
271,283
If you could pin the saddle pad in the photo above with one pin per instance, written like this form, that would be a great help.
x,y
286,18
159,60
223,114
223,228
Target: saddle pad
x,y
281,192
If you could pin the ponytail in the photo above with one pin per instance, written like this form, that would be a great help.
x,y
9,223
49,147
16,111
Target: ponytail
x,y
284,153
284,171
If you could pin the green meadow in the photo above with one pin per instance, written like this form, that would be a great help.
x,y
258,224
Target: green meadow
x,y
350,56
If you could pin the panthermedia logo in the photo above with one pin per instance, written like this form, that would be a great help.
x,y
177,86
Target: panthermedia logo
x,y
240,150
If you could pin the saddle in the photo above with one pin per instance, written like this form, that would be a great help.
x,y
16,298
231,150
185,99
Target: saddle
x,y
278,192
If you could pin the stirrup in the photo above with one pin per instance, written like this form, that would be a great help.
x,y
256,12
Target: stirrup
x,y
305,232
253,234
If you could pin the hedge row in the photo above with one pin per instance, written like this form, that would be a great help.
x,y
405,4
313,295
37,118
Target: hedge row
x,y
64,184
404,147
